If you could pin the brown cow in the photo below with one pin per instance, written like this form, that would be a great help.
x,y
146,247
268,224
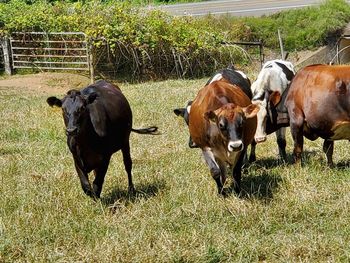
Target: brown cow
x,y
222,123
318,104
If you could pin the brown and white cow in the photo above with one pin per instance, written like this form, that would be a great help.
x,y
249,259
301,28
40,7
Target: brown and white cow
x,y
230,75
318,104
222,122
268,90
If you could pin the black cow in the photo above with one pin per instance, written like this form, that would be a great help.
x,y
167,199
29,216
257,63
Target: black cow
x,y
98,122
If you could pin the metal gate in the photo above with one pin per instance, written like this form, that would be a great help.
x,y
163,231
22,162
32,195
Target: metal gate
x,y
51,51
2,64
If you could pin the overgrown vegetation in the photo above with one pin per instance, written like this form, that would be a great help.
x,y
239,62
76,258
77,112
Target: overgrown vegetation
x,y
302,29
149,43
286,214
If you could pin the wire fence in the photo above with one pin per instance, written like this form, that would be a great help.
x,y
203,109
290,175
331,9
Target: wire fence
x,y
71,51
67,51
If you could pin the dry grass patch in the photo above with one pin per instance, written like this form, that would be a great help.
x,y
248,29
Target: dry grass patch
x,y
285,214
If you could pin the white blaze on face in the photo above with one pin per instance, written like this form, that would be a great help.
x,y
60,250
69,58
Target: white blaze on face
x,y
260,134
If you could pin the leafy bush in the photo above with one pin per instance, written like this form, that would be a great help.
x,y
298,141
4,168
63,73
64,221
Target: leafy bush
x,y
140,41
152,43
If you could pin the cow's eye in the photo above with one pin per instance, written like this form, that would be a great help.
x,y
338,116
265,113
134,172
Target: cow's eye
x,y
80,110
222,125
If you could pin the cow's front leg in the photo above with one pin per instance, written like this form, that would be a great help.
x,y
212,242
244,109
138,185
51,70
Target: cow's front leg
x,y
328,147
100,174
215,170
84,180
252,156
281,142
237,172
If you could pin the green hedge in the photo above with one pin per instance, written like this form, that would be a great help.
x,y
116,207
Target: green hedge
x,y
148,43
138,41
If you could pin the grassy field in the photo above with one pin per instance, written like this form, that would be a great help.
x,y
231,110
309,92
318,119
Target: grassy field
x,y
285,214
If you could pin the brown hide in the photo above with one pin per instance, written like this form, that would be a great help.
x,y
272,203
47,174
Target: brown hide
x,y
318,104
210,98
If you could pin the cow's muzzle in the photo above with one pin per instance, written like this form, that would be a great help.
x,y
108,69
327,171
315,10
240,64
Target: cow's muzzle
x,y
260,139
72,131
235,146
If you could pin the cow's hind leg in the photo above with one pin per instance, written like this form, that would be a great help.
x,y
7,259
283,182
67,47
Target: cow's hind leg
x,y
296,129
328,147
281,142
215,170
84,180
100,174
128,166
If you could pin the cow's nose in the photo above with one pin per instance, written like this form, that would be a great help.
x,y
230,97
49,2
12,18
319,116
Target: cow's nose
x,y
235,146
72,131
260,139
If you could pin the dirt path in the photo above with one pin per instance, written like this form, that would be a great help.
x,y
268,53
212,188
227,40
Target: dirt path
x,y
48,83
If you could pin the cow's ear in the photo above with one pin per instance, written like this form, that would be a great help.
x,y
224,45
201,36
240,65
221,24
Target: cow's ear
x,y
275,98
251,111
98,118
210,116
180,112
53,101
91,97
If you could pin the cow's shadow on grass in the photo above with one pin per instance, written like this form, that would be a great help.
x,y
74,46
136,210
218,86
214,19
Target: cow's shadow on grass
x,y
264,185
343,165
269,163
121,195
259,187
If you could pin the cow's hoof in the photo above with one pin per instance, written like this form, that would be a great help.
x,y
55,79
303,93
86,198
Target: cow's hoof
x,y
131,190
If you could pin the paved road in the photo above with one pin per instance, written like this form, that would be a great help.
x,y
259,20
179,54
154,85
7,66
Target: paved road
x,y
237,7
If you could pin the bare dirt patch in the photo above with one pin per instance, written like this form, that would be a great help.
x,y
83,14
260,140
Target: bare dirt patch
x,y
60,83
48,83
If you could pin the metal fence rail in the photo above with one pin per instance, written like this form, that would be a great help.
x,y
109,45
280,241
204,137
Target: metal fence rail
x,y
50,51
2,64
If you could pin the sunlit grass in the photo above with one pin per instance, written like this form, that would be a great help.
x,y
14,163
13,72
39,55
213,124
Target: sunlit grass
x,y
285,214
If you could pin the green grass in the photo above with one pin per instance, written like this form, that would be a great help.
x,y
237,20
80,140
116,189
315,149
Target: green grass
x,y
285,214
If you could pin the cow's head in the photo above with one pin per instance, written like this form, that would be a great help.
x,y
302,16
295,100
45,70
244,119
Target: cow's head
x,y
74,109
184,112
267,102
230,120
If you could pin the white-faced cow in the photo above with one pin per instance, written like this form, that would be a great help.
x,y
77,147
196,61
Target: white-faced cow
x,y
230,75
98,122
222,122
318,104
269,92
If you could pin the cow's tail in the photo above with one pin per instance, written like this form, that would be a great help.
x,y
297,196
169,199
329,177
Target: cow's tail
x,y
150,130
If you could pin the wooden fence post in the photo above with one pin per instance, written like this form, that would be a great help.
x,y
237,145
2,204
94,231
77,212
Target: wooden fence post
x,y
281,44
6,47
